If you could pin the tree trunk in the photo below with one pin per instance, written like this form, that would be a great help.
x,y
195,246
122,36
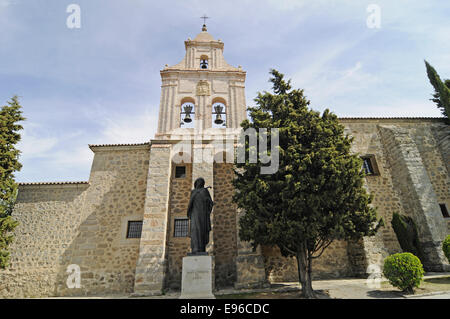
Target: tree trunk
x,y
304,272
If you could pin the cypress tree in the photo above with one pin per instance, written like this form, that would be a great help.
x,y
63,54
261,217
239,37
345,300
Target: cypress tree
x,y
441,94
316,196
10,115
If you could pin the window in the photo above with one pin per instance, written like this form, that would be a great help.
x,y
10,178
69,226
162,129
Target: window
x,y
134,229
181,227
444,210
180,171
369,165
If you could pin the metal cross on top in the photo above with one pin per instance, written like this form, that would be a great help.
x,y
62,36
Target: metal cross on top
x,y
204,18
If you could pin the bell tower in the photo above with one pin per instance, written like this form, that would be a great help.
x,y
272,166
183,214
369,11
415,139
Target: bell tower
x,y
201,108
202,93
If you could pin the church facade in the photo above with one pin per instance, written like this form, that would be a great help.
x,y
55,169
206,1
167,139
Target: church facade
x,y
125,230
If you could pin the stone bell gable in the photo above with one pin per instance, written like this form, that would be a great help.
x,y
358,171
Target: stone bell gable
x,y
202,79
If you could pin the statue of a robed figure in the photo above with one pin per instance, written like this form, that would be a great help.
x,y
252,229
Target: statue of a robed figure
x,y
199,211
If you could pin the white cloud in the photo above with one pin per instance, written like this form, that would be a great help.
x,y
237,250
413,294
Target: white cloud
x,y
136,128
79,158
332,83
401,107
34,144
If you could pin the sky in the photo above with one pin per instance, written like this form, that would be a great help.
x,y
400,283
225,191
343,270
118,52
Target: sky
x,y
100,83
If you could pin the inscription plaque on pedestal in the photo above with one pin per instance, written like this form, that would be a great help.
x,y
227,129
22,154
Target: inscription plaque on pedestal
x,y
197,277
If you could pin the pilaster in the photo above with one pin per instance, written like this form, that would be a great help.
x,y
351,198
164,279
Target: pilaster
x,y
152,260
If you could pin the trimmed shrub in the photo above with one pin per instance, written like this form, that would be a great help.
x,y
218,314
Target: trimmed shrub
x,y
446,247
404,271
406,231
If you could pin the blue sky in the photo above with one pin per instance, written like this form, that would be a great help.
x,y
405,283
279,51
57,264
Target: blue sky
x,y
101,83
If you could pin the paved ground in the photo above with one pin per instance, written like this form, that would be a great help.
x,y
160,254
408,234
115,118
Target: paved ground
x,y
340,288
434,296
363,289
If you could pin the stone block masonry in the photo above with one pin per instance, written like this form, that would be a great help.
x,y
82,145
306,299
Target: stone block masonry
x,y
178,247
413,182
79,223
49,217
151,267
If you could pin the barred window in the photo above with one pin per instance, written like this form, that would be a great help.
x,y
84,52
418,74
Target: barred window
x,y
181,227
370,166
367,165
134,229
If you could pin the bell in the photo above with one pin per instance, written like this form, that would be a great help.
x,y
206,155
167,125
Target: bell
x,y
187,111
218,110
218,119
187,118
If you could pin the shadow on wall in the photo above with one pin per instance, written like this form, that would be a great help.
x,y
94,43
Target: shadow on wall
x,y
107,259
48,216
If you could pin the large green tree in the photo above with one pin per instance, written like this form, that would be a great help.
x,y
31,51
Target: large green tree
x,y
10,116
316,196
441,94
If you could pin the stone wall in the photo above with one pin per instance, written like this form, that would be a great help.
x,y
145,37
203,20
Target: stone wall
x,y
388,188
151,267
178,247
116,195
434,159
386,199
82,224
225,244
49,217
85,223
412,180
333,263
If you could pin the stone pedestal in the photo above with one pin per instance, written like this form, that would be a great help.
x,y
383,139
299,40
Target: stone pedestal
x,y
197,278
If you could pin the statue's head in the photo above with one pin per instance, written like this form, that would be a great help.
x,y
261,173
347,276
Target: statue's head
x,y
199,183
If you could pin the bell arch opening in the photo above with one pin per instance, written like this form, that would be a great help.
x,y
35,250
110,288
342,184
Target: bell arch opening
x,y
219,113
187,112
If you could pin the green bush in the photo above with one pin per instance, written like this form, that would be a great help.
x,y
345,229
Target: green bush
x,y
404,271
446,247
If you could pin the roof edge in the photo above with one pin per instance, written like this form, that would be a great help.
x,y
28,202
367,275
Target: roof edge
x,y
53,184
390,118
108,147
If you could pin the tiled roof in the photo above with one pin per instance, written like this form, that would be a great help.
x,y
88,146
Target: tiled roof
x,y
112,145
54,183
391,118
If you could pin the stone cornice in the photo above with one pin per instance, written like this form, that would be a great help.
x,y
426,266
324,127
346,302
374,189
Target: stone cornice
x,y
189,72
213,44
